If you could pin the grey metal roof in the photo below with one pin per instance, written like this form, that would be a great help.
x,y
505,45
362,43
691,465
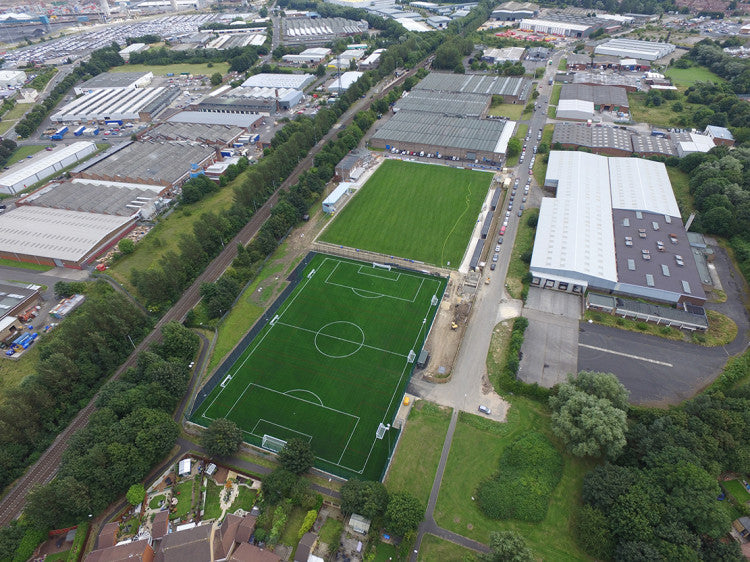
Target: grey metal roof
x,y
662,247
592,137
607,95
211,117
719,132
647,144
212,134
91,198
448,103
151,161
606,79
441,131
112,80
476,84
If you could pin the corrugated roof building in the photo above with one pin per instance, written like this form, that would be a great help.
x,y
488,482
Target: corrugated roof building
x,y
511,88
447,103
580,242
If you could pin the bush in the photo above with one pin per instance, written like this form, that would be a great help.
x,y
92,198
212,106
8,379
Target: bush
x,y
530,469
592,532
508,381
126,246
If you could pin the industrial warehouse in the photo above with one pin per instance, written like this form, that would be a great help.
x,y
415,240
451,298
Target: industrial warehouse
x,y
635,49
610,140
106,80
161,163
116,104
316,32
251,100
511,88
27,172
215,135
614,226
447,103
484,140
58,237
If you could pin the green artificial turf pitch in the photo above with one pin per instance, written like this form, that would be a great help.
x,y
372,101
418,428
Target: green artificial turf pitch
x,y
332,364
422,212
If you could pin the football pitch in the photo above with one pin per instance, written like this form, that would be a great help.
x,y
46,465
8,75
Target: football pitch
x,y
332,364
424,212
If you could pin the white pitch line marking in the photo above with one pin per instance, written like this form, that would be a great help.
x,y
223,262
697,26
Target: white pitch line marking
x,y
638,357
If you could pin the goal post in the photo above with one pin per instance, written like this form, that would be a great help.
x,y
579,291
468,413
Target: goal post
x,y
272,443
381,430
412,356
381,265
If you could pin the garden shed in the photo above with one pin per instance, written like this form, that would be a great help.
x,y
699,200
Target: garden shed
x,y
359,524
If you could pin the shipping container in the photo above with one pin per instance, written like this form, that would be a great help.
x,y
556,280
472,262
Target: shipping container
x,y
60,133
79,131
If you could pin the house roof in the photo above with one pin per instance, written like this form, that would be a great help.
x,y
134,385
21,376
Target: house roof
x,y
160,525
245,529
719,132
128,552
108,535
250,553
190,545
305,546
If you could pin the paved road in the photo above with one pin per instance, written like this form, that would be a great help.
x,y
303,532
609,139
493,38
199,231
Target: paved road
x,y
45,468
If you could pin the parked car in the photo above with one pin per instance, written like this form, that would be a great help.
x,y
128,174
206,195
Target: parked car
x,y
485,410
492,267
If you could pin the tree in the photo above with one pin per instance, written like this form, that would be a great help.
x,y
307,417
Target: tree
x,y
588,414
216,78
368,498
543,148
64,501
718,220
136,494
320,71
178,342
278,484
507,546
222,438
126,246
514,147
404,513
296,456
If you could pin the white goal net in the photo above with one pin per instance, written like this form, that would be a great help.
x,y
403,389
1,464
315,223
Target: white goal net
x,y
272,443
381,265
381,430
412,356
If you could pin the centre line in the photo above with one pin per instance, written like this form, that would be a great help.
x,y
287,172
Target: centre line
x,y
654,361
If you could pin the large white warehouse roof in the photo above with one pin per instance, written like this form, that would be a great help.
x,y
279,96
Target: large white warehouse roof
x,y
641,185
55,233
574,232
29,172
268,80
634,48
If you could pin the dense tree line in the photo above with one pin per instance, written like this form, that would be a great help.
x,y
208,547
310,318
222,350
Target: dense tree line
x,y
735,70
131,431
720,186
7,148
658,499
100,61
617,6
74,359
240,59
148,39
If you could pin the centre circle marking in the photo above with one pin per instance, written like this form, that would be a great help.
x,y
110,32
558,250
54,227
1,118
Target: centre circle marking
x,y
320,333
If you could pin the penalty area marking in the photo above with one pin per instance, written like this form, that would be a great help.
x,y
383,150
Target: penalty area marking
x,y
252,432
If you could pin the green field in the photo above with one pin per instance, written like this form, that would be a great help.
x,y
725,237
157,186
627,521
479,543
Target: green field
x,y
416,460
686,77
415,211
22,152
513,111
434,548
737,490
177,69
332,363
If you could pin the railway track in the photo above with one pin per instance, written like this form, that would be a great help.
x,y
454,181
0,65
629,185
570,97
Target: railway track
x,y
44,469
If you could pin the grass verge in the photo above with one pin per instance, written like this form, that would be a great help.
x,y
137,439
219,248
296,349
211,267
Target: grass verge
x,y
11,117
737,490
686,77
12,372
177,69
681,186
24,265
415,463
563,64
165,236
477,446
435,548
554,99
663,115
540,165
517,268
24,151
512,110
721,330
